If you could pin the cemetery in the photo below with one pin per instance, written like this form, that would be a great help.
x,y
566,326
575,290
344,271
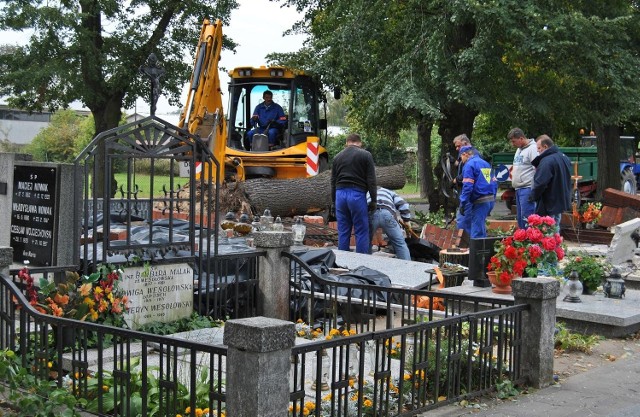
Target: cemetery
x,y
292,329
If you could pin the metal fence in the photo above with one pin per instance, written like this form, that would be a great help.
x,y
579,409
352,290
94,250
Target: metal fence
x,y
375,353
382,355
118,372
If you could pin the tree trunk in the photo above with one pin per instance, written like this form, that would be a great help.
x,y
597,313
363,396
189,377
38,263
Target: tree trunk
x,y
306,195
105,117
608,144
425,166
458,119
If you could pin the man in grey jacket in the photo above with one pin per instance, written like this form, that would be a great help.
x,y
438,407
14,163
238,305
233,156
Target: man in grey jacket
x,y
522,174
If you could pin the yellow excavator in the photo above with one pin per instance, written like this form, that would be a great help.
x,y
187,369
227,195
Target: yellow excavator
x,y
299,150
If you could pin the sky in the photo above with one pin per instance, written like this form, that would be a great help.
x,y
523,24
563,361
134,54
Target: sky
x,y
256,26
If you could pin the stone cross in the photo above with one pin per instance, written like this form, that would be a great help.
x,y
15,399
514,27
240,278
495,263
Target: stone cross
x,y
154,72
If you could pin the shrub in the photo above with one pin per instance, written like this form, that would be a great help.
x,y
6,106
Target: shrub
x,y
590,269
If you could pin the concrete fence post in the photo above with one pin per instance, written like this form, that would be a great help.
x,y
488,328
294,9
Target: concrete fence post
x,y
538,327
273,283
258,361
6,258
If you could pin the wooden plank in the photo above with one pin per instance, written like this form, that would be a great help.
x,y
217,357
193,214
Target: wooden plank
x,y
599,237
616,198
610,216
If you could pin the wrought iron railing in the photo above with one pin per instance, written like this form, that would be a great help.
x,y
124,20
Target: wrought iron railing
x,y
382,354
118,372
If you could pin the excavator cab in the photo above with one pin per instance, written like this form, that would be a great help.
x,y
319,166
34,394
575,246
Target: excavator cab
x,y
299,151
298,96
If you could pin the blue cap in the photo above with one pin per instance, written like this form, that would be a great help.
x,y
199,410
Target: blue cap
x,y
466,149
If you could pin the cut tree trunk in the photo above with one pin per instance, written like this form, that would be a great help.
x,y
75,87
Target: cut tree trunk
x,y
306,195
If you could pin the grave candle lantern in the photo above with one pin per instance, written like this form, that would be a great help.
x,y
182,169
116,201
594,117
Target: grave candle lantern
x,y
614,287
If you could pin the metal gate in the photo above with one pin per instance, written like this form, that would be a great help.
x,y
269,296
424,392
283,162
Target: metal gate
x,y
149,214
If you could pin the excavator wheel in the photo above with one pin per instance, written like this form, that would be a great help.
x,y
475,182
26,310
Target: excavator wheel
x,y
259,172
628,182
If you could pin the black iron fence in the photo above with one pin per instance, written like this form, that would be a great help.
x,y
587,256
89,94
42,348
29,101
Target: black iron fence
x,y
377,350
126,373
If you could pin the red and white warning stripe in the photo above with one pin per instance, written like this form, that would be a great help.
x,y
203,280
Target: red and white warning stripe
x,y
312,157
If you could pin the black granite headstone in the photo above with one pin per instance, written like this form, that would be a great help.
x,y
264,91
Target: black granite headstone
x,y
480,252
33,214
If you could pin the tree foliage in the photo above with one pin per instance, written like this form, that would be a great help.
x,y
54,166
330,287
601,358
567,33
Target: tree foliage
x,y
66,135
91,50
548,67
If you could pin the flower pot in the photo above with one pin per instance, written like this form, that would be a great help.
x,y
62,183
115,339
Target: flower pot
x,y
498,286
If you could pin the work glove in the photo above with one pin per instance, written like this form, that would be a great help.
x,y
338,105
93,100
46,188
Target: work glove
x,y
462,209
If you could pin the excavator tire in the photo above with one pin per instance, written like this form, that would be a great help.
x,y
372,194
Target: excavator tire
x,y
259,172
628,182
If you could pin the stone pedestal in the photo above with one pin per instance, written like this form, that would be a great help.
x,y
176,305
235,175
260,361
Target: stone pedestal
x,y
538,327
258,362
273,282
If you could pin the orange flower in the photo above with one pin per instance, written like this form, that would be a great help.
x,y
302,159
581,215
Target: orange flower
x,y
85,289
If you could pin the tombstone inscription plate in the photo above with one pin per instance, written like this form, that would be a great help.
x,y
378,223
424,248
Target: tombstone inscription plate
x,y
33,211
158,293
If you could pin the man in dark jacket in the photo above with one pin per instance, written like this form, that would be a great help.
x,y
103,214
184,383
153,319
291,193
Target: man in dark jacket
x,y
552,181
352,175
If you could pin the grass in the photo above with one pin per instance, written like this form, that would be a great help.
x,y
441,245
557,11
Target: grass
x,y
410,187
569,341
144,183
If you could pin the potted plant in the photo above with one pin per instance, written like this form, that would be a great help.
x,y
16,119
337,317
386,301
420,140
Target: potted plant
x,y
536,249
591,270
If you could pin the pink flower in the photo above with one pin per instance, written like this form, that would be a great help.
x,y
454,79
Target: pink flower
x,y
559,252
534,220
548,220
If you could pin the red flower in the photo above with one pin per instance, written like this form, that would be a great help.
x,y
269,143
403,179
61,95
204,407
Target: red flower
x,y
537,246
520,235
510,252
534,235
549,243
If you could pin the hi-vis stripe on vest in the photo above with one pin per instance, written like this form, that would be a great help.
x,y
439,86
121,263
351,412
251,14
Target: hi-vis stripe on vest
x,y
312,157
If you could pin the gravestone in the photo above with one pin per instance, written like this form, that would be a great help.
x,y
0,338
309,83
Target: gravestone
x,y
37,206
480,252
623,244
158,293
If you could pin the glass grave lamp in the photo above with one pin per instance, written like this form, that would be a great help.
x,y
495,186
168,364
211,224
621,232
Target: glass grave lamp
x,y
277,226
614,287
298,229
575,288
266,221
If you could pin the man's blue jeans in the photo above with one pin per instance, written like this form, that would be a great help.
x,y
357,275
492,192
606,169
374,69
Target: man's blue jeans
x,y
352,212
524,207
383,218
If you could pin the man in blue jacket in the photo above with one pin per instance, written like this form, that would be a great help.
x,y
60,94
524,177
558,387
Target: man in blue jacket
x,y
267,115
478,196
552,181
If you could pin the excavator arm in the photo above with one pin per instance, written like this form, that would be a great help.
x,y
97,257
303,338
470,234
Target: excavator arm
x,y
203,113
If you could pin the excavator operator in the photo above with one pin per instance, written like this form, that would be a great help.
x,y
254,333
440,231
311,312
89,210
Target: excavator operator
x,y
268,116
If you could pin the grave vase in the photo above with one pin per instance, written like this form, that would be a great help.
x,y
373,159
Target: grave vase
x,y
323,378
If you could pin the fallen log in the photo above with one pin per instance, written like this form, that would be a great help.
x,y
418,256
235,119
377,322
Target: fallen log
x,y
306,195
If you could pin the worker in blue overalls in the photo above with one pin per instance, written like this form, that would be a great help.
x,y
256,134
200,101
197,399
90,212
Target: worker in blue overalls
x,y
478,195
267,115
